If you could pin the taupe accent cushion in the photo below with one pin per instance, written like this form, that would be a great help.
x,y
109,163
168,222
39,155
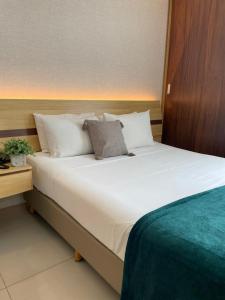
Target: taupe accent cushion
x,y
106,138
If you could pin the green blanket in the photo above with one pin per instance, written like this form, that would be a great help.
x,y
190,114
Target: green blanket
x,y
178,251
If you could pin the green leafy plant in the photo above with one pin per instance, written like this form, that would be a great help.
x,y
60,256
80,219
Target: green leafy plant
x,y
17,147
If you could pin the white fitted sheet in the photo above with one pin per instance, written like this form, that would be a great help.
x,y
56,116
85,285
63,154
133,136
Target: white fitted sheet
x,y
107,197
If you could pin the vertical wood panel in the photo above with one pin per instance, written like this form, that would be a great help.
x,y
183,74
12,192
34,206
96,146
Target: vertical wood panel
x,y
195,109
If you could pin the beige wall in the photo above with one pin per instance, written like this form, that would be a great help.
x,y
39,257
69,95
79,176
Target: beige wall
x,y
82,49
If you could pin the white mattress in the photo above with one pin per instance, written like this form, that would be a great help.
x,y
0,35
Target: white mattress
x,y
107,197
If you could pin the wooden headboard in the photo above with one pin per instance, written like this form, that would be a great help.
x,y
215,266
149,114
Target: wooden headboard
x,y
16,116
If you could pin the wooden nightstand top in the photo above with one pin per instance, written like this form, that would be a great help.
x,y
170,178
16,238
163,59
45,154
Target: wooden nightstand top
x,y
12,170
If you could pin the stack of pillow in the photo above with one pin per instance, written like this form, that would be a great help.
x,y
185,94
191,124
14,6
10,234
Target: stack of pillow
x,y
79,134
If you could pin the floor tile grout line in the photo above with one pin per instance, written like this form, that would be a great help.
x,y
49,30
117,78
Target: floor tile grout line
x,y
10,297
5,287
1,277
49,268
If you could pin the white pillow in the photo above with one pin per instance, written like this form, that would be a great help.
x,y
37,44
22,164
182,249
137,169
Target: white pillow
x,y
137,128
39,118
66,137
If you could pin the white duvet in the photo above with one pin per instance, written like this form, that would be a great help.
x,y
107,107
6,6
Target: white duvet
x,y
107,197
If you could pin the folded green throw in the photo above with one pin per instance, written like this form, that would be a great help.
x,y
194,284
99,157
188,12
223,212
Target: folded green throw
x,y
178,251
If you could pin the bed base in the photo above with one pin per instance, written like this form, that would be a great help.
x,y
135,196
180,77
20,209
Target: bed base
x,y
103,260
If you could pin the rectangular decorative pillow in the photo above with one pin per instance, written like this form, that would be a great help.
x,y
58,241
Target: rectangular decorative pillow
x,y
39,118
65,137
137,130
106,138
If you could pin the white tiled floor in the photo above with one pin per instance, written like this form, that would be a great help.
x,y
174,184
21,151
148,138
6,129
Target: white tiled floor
x,y
2,285
4,295
36,264
28,245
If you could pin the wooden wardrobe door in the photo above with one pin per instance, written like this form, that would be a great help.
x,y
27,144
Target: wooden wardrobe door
x,y
194,111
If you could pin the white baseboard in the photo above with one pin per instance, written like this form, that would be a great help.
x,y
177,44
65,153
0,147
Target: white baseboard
x,y
11,201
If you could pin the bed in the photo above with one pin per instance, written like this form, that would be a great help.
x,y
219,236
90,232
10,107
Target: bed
x,y
93,204
107,198
17,121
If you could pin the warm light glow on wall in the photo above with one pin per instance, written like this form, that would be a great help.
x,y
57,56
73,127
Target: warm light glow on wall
x,y
79,50
43,94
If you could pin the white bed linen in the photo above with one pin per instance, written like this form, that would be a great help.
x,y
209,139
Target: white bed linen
x,y
107,197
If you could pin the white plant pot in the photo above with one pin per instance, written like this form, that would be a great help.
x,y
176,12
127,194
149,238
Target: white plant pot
x,y
18,160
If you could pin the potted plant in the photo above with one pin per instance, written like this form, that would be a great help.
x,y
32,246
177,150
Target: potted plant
x,y
17,150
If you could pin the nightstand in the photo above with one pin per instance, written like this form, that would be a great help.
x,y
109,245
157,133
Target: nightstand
x,y
15,180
